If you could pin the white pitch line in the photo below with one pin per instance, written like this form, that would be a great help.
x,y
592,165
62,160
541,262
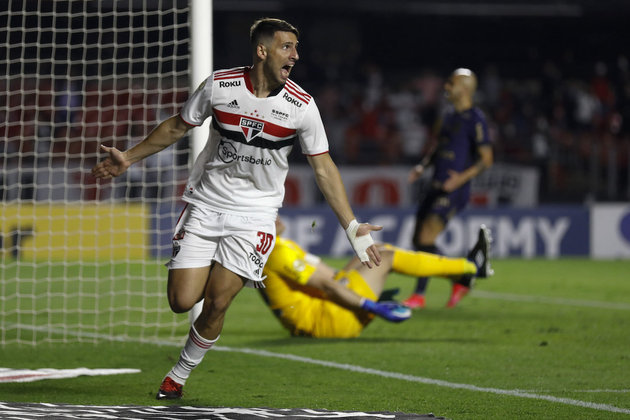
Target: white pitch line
x,y
555,301
596,391
370,371
429,381
620,391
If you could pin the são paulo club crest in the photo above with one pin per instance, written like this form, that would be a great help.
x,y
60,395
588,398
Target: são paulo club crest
x,y
251,128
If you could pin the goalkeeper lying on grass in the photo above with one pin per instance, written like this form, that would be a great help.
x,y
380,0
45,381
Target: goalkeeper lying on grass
x,y
311,298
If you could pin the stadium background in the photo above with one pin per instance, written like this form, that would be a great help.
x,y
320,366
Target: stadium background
x,y
554,82
82,263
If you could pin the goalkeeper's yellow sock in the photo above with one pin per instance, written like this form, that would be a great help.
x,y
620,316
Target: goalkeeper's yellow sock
x,y
421,264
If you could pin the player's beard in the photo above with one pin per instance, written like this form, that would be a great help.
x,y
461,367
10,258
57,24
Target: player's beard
x,y
273,76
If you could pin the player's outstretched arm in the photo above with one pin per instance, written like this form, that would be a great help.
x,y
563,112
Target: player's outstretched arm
x,y
322,279
330,184
164,135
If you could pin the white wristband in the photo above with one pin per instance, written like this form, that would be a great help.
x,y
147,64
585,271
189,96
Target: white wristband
x,y
351,230
360,244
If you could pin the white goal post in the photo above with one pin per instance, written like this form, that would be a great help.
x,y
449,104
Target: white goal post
x,y
82,260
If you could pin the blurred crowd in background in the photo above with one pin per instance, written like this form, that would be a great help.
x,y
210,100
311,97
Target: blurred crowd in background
x,y
575,130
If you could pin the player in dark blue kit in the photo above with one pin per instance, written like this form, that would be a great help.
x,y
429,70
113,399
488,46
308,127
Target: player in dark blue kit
x,y
461,151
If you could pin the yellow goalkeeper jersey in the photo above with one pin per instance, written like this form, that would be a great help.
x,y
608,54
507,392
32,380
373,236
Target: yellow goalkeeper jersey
x,y
304,310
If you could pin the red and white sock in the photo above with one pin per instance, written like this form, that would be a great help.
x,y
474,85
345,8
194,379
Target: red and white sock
x,y
192,354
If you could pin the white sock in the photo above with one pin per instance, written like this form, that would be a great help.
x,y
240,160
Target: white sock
x,y
194,312
192,354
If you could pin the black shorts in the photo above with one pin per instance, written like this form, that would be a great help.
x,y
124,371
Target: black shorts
x,y
445,205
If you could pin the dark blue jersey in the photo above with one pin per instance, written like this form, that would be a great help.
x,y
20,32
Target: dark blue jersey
x,y
461,133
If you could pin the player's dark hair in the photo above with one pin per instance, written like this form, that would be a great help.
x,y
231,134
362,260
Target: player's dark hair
x,y
265,28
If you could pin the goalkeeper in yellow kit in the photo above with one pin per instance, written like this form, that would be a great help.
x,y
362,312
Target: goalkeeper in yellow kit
x,y
310,298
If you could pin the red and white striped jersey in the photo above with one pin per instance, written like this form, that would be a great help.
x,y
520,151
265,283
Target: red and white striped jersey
x,y
243,166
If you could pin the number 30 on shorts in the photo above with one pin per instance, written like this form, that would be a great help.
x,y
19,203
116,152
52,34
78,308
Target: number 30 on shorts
x,y
266,239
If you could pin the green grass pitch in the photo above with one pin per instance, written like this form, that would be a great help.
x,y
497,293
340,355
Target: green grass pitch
x,y
542,339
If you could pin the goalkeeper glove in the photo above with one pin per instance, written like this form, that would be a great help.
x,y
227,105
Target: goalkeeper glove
x,y
360,244
391,311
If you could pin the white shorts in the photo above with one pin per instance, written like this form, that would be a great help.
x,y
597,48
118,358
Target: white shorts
x,y
241,244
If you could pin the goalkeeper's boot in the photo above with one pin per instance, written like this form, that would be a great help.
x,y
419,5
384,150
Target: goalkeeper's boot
x,y
480,253
391,311
480,256
169,390
415,301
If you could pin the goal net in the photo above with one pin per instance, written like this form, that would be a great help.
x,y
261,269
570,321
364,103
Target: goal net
x,y
82,260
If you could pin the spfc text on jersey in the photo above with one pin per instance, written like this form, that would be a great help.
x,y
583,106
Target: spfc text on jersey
x,y
251,128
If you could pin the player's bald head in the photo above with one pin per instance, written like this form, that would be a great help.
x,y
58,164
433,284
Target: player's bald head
x,y
467,78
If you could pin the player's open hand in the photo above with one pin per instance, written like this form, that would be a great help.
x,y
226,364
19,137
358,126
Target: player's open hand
x,y
113,165
415,173
453,182
363,244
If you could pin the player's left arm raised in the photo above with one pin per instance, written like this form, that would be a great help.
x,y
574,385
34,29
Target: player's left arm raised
x,y
330,184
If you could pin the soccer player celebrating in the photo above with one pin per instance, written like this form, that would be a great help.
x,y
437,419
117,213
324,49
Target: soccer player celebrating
x,y
462,152
237,184
311,299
